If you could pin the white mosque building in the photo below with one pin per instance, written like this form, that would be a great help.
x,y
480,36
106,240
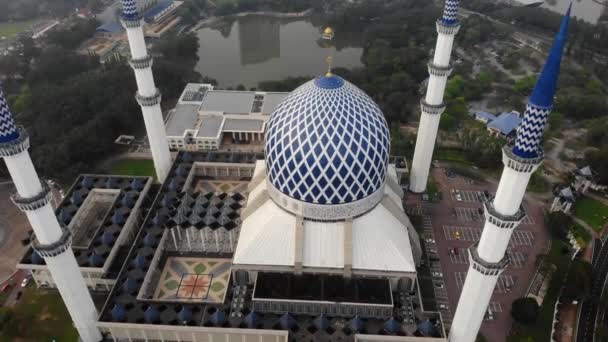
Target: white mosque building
x,y
305,242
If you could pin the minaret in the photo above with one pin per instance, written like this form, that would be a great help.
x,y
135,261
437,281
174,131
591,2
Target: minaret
x,y
432,105
53,241
148,96
503,213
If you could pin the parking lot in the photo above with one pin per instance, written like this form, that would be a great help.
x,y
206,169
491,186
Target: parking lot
x,y
503,285
461,256
439,288
452,225
519,237
469,196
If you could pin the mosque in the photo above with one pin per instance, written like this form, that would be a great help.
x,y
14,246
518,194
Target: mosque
x,y
307,241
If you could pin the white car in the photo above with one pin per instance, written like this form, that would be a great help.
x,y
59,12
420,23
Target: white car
x,y
458,197
443,307
437,274
430,241
25,281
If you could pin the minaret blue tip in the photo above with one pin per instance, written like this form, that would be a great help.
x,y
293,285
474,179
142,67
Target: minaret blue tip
x,y
531,129
8,129
129,10
450,12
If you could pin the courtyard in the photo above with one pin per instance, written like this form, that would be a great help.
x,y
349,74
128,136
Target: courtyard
x,y
194,280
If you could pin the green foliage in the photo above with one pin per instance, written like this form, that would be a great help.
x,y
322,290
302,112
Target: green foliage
x,y
481,148
525,310
7,318
58,64
38,316
578,282
593,212
133,167
72,37
525,85
558,224
22,101
598,159
476,30
581,234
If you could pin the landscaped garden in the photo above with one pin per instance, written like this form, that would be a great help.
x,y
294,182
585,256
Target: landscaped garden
x,y
593,212
133,167
38,316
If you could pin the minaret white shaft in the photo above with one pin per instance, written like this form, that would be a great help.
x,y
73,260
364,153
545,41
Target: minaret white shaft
x,y
488,258
53,242
432,106
148,97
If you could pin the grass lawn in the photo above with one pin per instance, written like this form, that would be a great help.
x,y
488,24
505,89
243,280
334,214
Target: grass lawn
x,y
592,212
538,183
133,167
40,316
9,30
452,156
541,330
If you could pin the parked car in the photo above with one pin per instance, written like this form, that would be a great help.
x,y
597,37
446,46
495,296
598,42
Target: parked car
x,y
26,280
437,274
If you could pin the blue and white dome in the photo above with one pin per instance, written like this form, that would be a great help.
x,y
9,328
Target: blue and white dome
x,y
327,143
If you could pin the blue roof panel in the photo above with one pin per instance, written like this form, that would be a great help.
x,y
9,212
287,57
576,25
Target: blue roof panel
x,y
505,122
157,9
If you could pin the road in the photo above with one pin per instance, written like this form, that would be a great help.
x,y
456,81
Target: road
x,y
16,288
589,309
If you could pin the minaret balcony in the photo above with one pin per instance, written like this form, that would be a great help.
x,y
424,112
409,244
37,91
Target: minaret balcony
x,y
36,202
519,164
148,101
432,109
55,248
450,29
141,63
440,71
500,220
484,267
131,23
11,148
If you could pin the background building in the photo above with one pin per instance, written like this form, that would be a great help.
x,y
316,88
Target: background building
x,y
206,119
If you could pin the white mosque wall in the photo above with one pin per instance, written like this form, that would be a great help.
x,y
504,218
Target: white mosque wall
x,y
119,332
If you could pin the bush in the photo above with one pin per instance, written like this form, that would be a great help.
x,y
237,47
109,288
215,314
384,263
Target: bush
x,y
525,310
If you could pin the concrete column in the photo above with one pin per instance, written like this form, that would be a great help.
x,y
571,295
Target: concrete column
x,y
149,99
432,107
35,200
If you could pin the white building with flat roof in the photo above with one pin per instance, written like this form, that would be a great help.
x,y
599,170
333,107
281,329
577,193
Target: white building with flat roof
x,y
206,119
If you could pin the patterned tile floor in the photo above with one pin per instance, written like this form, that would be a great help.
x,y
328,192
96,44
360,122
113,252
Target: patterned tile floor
x,y
199,280
220,186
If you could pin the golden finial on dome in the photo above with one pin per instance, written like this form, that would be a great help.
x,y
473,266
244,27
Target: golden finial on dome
x,y
329,61
328,33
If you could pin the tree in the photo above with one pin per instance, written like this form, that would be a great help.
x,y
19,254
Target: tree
x,y
578,281
525,310
558,224
6,319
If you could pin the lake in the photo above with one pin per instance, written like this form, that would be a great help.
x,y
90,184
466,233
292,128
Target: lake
x,y
259,48
588,10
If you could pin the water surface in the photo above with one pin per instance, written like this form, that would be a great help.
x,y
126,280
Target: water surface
x,y
256,48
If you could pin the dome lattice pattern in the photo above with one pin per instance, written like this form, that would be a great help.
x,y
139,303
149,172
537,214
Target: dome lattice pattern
x,y
327,145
